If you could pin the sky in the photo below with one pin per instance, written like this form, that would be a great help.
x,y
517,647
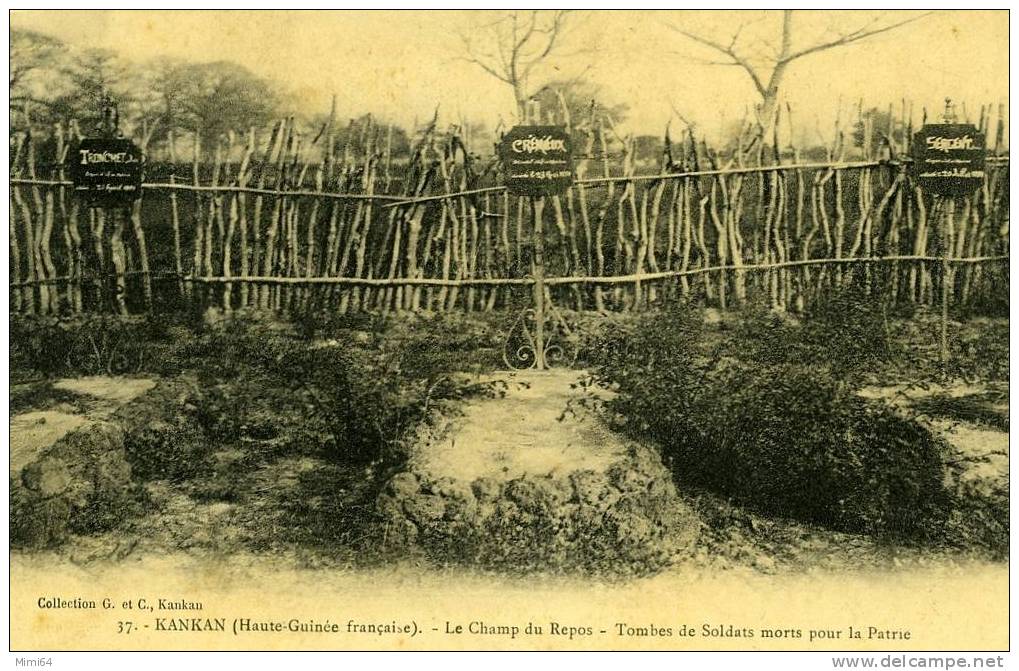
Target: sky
x,y
401,64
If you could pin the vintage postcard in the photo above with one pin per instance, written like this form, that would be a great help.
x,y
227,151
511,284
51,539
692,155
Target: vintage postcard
x,y
552,329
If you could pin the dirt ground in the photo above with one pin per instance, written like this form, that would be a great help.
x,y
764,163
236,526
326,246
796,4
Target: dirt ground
x,y
97,397
522,433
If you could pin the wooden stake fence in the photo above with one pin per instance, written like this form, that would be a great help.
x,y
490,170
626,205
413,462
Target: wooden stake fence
x,y
289,222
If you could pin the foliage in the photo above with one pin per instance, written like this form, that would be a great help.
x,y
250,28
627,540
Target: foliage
x,y
87,76
978,350
40,395
426,345
354,136
584,101
787,438
880,123
980,513
981,351
174,450
354,397
32,56
88,344
214,99
106,509
54,83
351,386
843,332
976,409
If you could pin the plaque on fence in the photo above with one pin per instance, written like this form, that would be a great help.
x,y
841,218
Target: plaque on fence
x,y
948,159
537,160
107,172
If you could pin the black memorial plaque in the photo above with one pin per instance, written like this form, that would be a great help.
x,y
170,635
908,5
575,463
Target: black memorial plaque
x,y
107,172
537,160
948,159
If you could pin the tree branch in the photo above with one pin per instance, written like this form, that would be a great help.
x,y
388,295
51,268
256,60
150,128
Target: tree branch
x,y
532,26
855,36
729,51
554,32
522,42
487,69
477,59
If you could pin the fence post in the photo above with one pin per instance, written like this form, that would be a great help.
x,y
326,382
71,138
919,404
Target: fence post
x,y
946,277
538,206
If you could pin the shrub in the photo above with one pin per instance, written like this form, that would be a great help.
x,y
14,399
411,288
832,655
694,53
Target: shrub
x,y
92,344
980,516
355,397
433,345
355,392
107,509
980,350
844,332
428,344
785,438
175,450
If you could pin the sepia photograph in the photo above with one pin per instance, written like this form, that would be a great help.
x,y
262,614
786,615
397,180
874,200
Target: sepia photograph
x,y
510,330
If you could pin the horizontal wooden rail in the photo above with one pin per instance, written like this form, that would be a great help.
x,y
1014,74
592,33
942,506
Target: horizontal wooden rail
x,y
668,274
604,181
516,281
154,274
226,188
444,196
366,281
400,201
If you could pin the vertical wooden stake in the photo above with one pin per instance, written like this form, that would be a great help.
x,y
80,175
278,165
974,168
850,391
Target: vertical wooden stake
x,y
539,283
16,295
143,251
118,255
945,274
178,262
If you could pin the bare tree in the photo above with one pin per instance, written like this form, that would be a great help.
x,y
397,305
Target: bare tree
x,y
512,45
767,62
